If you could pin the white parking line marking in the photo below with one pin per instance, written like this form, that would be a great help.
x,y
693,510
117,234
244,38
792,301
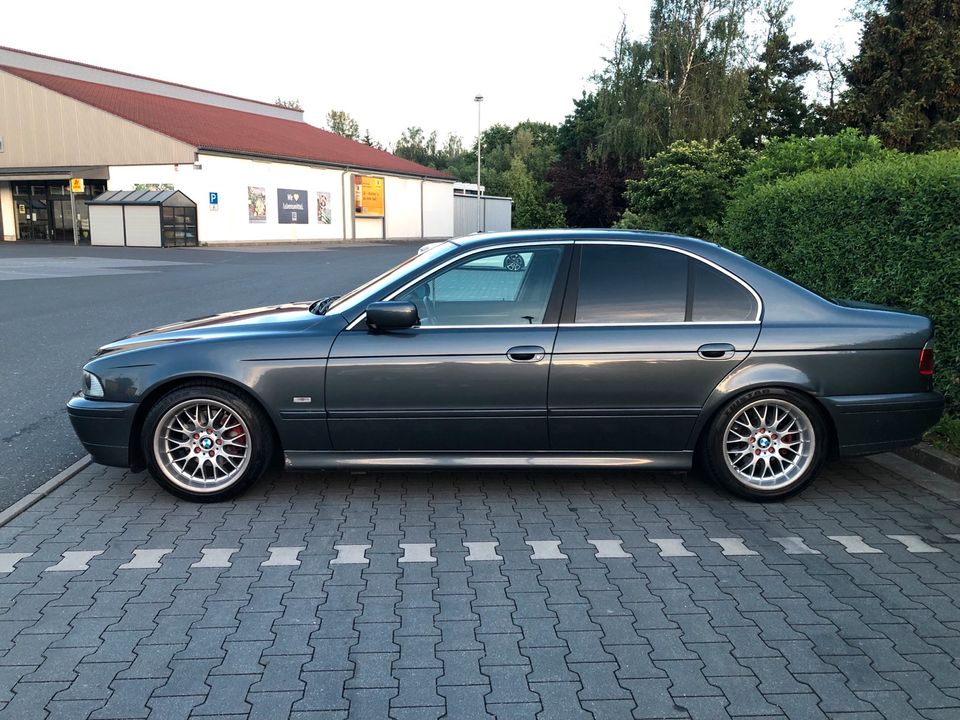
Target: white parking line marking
x,y
671,547
546,550
954,536
283,556
915,544
481,551
795,546
733,546
610,549
215,558
417,553
350,555
145,559
854,544
8,561
74,560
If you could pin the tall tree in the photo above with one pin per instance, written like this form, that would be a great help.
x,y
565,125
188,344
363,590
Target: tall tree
x,y
904,83
414,144
368,140
589,183
342,123
775,104
289,104
826,117
684,82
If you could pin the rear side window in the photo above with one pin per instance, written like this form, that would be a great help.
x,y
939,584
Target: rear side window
x,y
622,284
718,297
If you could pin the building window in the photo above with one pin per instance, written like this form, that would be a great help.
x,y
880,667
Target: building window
x,y
179,225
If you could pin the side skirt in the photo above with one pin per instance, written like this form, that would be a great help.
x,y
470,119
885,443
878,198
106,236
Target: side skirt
x,y
309,460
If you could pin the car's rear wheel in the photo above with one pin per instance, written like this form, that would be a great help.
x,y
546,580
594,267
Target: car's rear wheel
x,y
767,444
206,443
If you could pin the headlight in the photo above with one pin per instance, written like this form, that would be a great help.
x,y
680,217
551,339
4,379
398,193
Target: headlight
x,y
92,387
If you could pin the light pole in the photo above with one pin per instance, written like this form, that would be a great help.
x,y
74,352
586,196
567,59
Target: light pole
x,y
479,100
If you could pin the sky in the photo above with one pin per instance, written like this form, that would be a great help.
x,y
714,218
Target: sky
x,y
390,64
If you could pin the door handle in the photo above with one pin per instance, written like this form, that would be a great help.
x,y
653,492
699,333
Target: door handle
x,y
716,351
526,353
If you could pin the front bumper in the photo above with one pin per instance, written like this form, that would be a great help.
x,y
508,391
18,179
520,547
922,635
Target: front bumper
x,y
104,428
876,423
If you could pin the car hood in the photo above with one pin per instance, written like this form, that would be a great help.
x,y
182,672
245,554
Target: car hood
x,y
290,317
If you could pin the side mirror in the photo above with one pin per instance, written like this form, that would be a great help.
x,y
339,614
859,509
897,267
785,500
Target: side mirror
x,y
392,315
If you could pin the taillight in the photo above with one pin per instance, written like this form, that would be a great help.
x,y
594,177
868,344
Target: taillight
x,y
926,360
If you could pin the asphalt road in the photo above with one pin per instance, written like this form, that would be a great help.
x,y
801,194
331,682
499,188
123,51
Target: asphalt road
x,y
58,303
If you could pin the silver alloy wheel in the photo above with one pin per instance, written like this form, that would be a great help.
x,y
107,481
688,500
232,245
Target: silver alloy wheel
x,y
202,445
769,444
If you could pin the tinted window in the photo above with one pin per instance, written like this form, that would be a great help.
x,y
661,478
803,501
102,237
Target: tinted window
x,y
624,284
718,297
506,287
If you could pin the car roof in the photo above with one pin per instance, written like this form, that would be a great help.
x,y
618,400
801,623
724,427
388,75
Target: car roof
x,y
477,240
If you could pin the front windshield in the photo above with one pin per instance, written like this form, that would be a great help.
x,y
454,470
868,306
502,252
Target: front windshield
x,y
372,288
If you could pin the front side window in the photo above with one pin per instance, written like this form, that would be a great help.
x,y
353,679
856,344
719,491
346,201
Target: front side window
x,y
623,284
503,287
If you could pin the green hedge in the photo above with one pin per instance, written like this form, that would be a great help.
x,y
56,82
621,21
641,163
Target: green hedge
x,y
884,231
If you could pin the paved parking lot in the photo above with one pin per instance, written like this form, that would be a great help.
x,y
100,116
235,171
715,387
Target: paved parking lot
x,y
474,595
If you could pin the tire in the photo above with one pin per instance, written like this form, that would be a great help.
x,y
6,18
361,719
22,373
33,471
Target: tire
x,y
235,454
514,262
762,463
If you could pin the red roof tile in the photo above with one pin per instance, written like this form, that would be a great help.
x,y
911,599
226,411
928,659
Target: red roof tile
x,y
214,128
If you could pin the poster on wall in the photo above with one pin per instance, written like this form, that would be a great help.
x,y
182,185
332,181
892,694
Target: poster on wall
x,y
292,206
324,208
368,196
256,204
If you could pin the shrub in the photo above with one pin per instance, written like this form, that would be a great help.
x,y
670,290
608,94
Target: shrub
x,y
686,188
780,159
885,232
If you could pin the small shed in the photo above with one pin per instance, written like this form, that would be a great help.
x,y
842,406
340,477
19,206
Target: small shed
x,y
143,218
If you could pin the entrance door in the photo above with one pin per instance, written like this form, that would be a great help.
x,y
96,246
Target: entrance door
x,y
652,332
471,377
33,212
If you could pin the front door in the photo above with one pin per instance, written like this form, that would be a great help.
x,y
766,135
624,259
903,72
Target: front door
x,y
647,333
471,377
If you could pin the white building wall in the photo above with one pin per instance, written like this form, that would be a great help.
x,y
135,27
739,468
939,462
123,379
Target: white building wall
x,y
231,177
401,197
437,210
106,225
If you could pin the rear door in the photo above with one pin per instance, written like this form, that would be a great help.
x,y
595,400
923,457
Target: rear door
x,y
646,334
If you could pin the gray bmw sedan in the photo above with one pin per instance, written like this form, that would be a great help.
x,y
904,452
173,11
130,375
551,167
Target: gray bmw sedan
x,y
587,348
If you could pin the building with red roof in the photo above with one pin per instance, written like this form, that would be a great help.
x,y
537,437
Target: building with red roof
x,y
256,172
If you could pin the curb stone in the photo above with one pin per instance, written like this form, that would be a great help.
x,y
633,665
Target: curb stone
x,y
41,492
925,455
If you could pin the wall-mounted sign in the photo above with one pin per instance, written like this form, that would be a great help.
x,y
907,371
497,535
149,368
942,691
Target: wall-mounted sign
x,y
256,204
368,196
76,185
324,208
22,209
292,206
153,187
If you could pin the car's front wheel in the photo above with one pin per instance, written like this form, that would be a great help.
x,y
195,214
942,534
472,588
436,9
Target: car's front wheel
x,y
206,443
767,444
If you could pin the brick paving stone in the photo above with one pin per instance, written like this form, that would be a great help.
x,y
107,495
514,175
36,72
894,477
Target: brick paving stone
x,y
465,702
533,595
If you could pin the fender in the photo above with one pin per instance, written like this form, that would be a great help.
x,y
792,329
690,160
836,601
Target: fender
x,y
752,374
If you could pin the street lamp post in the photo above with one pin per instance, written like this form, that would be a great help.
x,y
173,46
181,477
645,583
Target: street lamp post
x,y
479,100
